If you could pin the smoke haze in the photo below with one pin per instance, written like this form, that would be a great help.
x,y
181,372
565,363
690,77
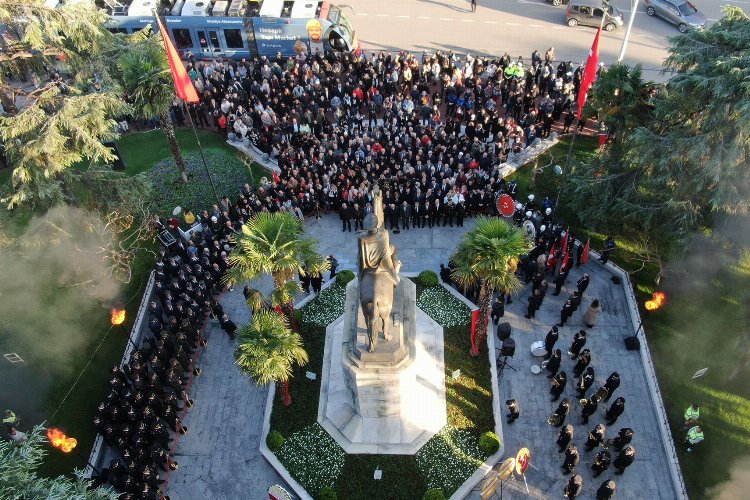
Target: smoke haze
x,y
52,280
738,484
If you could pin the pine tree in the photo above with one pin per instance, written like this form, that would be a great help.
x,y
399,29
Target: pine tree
x,y
683,148
63,121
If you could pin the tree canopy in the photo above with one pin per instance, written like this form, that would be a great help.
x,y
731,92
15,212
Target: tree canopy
x,y
683,149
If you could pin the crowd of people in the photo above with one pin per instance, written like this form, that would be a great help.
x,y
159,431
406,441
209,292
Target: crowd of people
x,y
147,397
432,132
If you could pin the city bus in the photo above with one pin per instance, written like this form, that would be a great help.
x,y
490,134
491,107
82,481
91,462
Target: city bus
x,y
237,29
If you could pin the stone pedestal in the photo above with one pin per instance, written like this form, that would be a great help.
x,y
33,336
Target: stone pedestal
x,y
391,401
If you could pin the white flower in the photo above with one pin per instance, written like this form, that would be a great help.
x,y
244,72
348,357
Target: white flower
x,y
444,308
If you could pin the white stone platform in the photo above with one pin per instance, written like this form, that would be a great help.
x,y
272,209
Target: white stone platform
x,y
422,411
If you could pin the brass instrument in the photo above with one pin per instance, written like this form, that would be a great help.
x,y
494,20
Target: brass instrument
x,y
606,444
584,402
545,363
554,419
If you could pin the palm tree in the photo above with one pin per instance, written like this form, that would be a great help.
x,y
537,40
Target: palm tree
x,y
487,256
268,349
146,78
275,244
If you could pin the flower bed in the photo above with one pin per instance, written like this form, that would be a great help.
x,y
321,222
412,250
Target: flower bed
x,y
313,458
443,307
445,462
449,458
326,307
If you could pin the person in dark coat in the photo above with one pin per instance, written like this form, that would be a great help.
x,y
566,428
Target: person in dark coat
x,y
601,462
623,438
564,437
553,364
535,301
228,326
624,459
575,300
571,459
584,359
595,437
561,413
589,409
560,280
606,490
574,487
565,313
549,341
530,270
498,309
345,214
404,213
579,340
583,283
612,383
514,410
558,385
615,411
316,281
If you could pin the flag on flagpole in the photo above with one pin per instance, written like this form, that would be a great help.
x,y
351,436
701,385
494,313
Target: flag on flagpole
x,y
565,262
585,256
182,83
589,73
565,242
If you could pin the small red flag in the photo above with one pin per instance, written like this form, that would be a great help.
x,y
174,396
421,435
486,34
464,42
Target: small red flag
x,y
276,177
565,262
585,256
589,73
565,242
182,83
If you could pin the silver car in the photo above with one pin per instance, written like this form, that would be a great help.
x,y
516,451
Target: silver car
x,y
681,13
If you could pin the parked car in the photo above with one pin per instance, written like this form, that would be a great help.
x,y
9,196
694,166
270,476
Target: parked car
x,y
590,12
681,13
557,3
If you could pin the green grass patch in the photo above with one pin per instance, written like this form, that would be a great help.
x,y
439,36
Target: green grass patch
x,y
445,462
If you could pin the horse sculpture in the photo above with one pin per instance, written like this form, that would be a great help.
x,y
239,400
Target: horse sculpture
x,y
376,298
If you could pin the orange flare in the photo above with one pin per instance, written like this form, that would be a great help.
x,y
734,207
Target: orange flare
x,y
59,440
658,300
118,316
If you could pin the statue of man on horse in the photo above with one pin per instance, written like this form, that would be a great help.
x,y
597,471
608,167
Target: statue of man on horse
x,y
378,273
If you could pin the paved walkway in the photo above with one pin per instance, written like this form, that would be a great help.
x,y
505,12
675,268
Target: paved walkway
x,y
219,458
649,476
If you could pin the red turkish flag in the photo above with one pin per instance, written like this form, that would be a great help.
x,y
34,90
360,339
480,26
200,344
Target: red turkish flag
x,y
182,83
589,73
565,262
565,242
585,256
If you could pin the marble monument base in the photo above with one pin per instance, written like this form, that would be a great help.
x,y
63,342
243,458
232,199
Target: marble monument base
x,y
385,404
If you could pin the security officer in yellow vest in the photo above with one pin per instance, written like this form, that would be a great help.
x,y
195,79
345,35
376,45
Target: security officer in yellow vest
x,y
694,436
10,420
692,414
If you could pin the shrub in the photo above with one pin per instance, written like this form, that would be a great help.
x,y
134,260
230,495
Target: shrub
x,y
274,441
428,279
326,493
433,494
344,277
489,443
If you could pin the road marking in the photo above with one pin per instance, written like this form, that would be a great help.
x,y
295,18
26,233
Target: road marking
x,y
383,15
534,26
467,20
513,24
490,22
446,19
402,17
558,27
423,17
361,13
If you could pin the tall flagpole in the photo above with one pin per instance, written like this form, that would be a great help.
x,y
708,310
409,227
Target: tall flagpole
x,y
165,34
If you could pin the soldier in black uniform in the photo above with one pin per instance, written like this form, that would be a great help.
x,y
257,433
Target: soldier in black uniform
x,y
565,313
584,359
612,383
624,459
558,385
560,280
579,340
615,410
571,459
589,409
550,340
553,363
623,438
535,302
601,462
585,381
514,410
564,437
606,490
574,487
595,437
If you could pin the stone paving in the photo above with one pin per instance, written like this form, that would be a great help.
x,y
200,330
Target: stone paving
x,y
219,458
649,476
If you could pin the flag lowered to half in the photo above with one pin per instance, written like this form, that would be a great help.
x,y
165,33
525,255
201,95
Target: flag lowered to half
x,y
182,83
589,73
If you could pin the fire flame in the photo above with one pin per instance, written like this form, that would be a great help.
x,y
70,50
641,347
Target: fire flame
x,y
118,316
59,440
658,300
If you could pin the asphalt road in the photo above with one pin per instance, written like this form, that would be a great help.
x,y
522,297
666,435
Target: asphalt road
x,y
514,26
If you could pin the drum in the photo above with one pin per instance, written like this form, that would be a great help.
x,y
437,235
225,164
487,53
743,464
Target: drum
x,y
506,469
536,369
537,348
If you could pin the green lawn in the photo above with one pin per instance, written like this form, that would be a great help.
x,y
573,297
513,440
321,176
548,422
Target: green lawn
x,y
141,150
700,327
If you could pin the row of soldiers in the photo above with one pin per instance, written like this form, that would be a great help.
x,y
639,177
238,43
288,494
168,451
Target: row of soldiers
x,y
141,415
